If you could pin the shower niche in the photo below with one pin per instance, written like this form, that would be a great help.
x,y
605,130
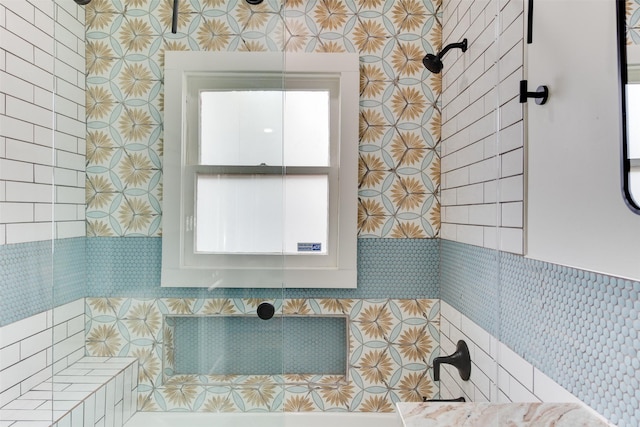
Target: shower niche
x,y
236,348
224,349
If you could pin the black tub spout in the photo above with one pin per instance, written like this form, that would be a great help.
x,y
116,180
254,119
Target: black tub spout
x,y
460,359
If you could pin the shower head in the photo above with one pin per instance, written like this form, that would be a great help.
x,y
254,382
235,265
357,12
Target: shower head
x,y
433,62
83,2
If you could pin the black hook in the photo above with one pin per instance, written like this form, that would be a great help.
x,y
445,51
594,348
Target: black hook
x,y
541,95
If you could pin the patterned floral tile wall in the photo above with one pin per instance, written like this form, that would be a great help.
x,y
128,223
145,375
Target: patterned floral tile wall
x,y
633,21
391,346
399,163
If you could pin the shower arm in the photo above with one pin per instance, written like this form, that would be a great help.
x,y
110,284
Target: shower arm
x,y
460,45
174,17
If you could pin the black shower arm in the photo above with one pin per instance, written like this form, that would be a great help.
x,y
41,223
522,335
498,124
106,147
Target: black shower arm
x,y
461,45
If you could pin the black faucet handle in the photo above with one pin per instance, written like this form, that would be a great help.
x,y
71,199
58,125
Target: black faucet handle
x,y
461,359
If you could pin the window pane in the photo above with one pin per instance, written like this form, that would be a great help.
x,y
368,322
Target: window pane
x,y
246,128
306,133
257,218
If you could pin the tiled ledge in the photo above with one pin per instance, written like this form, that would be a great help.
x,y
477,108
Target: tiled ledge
x,y
94,391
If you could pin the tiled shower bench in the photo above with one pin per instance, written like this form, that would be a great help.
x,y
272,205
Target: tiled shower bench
x,y
94,391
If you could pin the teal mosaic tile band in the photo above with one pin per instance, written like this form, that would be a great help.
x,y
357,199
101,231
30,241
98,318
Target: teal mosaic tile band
x,y
104,266
579,328
248,345
36,276
387,268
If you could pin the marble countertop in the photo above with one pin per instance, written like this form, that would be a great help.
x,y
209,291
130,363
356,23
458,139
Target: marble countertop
x,y
441,414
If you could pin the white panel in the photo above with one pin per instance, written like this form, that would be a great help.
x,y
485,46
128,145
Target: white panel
x,y
574,147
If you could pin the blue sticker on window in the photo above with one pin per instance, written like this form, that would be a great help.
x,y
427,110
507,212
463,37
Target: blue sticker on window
x,y
309,247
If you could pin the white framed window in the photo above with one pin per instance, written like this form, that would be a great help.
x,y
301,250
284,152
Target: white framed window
x,y
260,170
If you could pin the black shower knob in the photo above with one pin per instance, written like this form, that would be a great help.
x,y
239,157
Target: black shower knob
x,y
266,311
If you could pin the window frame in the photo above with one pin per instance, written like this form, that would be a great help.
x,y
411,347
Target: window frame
x,y
181,266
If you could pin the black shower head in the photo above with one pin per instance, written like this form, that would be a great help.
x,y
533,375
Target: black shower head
x,y
433,62
83,2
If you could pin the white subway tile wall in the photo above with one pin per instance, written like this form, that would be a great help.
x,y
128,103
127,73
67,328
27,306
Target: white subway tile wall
x,y
482,194
46,376
42,120
35,348
95,391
